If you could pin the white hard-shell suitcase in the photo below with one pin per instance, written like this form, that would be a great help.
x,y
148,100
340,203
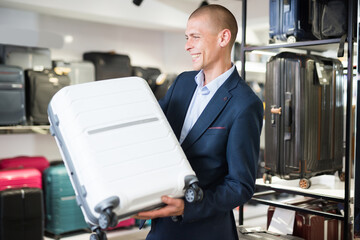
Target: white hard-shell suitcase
x,y
119,150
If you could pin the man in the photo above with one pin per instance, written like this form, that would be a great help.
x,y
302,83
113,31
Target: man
x,y
217,119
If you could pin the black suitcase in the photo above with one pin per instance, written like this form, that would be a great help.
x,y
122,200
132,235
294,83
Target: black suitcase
x,y
289,20
149,74
12,95
304,117
40,87
109,65
21,214
328,18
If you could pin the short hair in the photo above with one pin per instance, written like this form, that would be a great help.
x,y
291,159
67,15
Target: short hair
x,y
221,17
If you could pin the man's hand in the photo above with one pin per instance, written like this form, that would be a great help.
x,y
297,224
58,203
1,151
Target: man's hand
x,y
174,207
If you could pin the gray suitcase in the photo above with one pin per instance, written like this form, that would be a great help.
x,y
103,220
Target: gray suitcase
x,y
26,57
304,117
12,96
78,72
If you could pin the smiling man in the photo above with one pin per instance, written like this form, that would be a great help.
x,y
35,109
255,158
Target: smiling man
x,y
217,119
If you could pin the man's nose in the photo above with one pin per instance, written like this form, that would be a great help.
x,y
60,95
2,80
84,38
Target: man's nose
x,y
188,45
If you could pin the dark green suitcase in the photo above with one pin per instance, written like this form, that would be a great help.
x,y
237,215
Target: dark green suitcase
x,y
63,215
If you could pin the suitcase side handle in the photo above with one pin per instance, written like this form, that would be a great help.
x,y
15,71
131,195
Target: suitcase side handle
x,y
288,115
274,110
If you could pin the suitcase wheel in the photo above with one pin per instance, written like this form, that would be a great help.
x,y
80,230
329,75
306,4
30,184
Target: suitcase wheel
x,y
291,39
194,193
304,183
98,235
341,175
107,219
267,178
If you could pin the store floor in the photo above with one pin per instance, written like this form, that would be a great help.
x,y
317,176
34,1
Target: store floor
x,y
254,215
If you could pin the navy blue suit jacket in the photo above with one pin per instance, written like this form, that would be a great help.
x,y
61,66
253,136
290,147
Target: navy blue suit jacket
x,y
222,148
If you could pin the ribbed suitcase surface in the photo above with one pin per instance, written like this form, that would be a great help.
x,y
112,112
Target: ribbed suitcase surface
x,y
21,214
304,116
116,143
62,212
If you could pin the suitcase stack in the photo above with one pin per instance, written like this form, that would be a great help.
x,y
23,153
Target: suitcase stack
x,y
99,128
304,117
63,215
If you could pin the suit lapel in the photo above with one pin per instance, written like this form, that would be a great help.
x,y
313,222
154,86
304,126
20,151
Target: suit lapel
x,y
183,106
211,111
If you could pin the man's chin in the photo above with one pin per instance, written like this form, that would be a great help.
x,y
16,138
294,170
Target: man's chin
x,y
197,67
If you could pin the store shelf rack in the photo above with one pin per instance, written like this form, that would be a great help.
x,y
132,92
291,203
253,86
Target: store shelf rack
x,y
311,46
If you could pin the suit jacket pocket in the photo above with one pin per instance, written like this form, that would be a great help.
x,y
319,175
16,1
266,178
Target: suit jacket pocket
x,y
216,131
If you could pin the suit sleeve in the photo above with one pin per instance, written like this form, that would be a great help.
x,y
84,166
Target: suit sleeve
x,y
164,102
242,153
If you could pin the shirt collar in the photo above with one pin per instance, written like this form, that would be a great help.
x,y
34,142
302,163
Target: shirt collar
x,y
214,84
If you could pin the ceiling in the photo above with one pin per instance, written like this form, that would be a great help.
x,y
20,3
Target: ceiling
x,y
163,15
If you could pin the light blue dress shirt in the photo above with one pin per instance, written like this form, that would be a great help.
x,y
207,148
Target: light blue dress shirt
x,y
201,98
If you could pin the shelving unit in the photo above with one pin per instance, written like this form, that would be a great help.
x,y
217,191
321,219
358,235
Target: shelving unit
x,y
41,129
317,45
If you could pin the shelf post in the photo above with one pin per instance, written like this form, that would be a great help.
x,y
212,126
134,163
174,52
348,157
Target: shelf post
x,y
347,213
242,74
243,38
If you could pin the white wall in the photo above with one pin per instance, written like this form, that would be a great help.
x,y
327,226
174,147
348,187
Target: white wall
x,y
154,48
28,144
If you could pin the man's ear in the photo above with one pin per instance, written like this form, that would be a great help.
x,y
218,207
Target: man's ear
x,y
224,37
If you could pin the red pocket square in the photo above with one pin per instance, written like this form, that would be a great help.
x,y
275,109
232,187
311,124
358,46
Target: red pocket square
x,y
217,127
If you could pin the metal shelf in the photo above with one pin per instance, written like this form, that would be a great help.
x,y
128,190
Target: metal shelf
x,y
316,45
41,129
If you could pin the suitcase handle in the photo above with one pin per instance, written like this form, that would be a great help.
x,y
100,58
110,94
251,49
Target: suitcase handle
x,y
274,110
288,116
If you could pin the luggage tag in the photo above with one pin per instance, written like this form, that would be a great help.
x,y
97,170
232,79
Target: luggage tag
x,y
324,73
